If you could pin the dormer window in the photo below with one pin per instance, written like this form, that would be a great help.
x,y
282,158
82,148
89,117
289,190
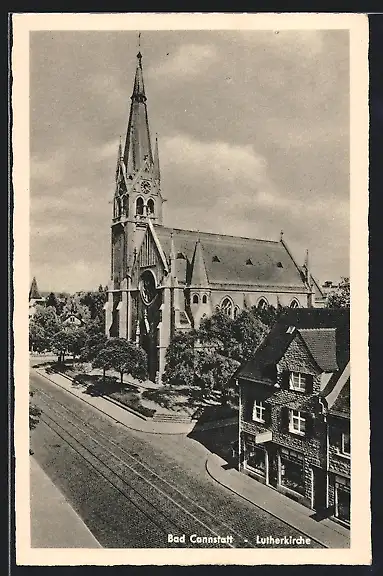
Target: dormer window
x,y
216,259
279,265
290,329
297,381
249,262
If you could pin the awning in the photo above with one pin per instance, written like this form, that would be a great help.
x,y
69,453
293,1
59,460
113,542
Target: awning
x,y
262,437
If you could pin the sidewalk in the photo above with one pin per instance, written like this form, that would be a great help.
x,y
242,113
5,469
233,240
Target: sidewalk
x,y
120,414
54,523
327,532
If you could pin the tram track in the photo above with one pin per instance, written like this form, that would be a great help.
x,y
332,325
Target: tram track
x,y
159,500
157,497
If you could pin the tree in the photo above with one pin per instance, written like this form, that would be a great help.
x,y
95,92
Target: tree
x,y
43,326
37,340
124,357
53,302
94,342
95,302
248,330
340,298
68,341
219,328
180,359
214,371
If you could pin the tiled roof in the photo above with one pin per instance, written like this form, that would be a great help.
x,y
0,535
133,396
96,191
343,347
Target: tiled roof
x,y
302,319
293,400
321,343
341,405
225,258
34,293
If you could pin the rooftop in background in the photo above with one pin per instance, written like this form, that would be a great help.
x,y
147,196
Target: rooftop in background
x,y
321,329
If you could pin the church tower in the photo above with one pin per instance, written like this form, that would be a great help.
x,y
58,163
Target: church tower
x,y
137,199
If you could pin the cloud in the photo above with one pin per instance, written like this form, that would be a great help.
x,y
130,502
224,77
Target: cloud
x,y
49,171
188,60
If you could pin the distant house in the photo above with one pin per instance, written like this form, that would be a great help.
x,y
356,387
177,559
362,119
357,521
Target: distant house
x,y
73,320
294,422
35,298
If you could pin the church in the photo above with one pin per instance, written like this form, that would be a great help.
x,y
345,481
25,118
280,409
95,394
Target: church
x,y
165,279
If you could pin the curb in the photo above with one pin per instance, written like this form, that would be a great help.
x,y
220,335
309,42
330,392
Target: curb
x,y
109,416
260,506
112,400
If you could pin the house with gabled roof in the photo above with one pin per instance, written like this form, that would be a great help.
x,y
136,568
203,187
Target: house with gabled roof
x,y
164,278
294,422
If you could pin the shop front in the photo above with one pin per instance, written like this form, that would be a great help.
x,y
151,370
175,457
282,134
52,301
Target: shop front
x,y
342,498
291,471
256,459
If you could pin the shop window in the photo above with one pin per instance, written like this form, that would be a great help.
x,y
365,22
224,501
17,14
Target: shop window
x,y
195,299
342,498
297,423
256,460
297,381
292,471
258,411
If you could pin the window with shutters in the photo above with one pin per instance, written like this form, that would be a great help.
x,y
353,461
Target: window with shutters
x,y
297,422
258,411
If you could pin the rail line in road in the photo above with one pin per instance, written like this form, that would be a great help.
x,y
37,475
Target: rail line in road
x,y
160,501
184,510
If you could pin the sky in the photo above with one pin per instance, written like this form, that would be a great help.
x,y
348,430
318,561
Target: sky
x,y
253,130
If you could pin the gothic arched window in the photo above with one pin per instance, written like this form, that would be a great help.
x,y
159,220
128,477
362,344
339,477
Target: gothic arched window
x,y
139,206
236,312
294,303
262,304
150,206
195,299
204,299
227,307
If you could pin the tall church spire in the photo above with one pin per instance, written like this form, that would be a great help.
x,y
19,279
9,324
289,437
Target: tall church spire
x,y
157,174
138,148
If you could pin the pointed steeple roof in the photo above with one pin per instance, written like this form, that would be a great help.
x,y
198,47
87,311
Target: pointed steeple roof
x,y
137,144
157,174
119,157
34,293
199,275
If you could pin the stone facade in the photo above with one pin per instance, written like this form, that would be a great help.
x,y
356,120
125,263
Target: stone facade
x,y
308,461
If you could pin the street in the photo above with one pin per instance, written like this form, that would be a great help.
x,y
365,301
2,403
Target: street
x,y
133,489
